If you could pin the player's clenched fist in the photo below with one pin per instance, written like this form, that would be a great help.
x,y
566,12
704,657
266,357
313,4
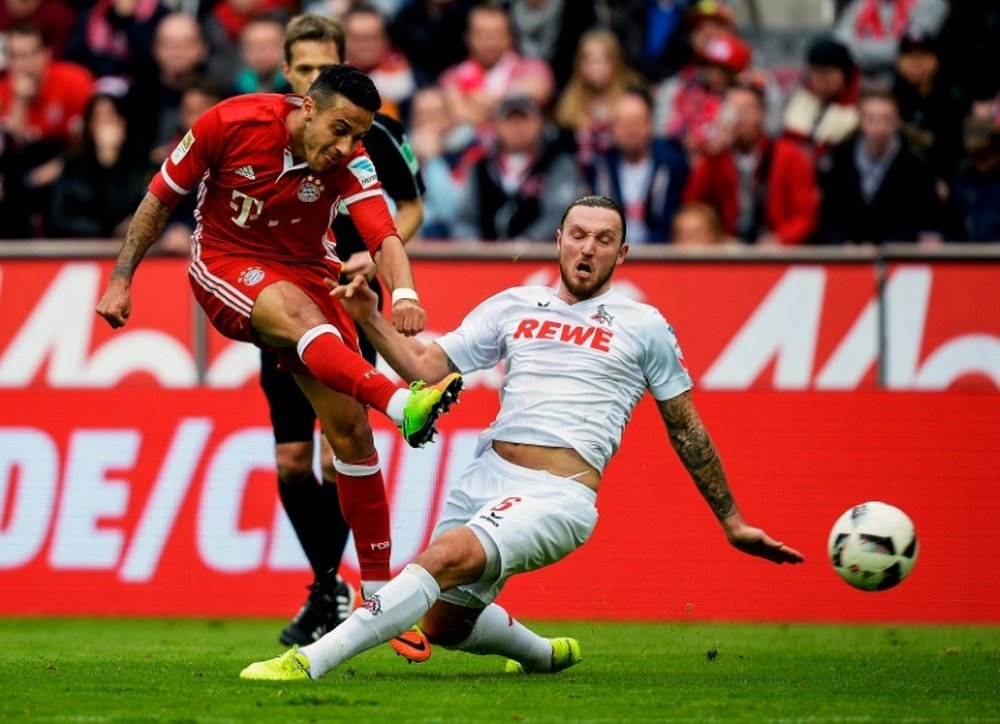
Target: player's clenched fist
x,y
408,317
116,304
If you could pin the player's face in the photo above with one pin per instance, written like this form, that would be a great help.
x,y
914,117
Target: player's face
x,y
590,247
308,59
331,134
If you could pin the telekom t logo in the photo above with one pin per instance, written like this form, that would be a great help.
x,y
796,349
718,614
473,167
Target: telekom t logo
x,y
247,207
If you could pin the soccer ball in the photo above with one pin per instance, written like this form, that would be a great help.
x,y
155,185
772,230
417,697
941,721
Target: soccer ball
x,y
873,546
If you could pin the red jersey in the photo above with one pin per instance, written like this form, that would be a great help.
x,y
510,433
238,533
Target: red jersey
x,y
254,199
57,113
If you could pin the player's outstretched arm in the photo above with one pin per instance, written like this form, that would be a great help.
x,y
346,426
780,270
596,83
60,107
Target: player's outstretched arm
x,y
144,229
394,268
697,452
410,357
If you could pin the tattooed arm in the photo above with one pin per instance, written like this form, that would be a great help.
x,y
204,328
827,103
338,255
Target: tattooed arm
x,y
147,223
697,452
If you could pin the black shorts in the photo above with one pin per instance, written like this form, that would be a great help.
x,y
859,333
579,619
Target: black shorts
x,y
292,416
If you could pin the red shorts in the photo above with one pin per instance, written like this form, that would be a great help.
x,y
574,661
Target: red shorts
x,y
227,286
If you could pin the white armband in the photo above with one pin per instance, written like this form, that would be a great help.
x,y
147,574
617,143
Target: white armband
x,y
404,293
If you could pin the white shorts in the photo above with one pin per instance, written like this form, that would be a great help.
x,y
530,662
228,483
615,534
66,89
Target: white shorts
x,y
533,518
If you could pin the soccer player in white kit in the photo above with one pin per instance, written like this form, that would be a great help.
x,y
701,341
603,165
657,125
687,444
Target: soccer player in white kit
x,y
577,360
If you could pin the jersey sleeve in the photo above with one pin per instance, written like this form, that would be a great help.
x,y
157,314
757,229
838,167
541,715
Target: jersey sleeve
x,y
477,343
361,192
191,158
663,364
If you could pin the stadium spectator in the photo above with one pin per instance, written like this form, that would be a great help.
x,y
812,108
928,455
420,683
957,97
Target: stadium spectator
x,y
338,9
764,190
176,236
599,77
369,49
224,25
550,30
262,55
520,187
493,69
687,104
872,29
102,179
53,17
528,498
696,225
443,148
645,176
968,47
14,222
653,33
822,111
974,203
877,189
115,37
260,270
41,109
931,107
180,54
425,32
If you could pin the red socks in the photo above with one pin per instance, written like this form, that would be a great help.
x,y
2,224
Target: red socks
x,y
363,501
338,367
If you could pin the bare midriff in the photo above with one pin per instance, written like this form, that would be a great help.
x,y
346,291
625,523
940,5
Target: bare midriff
x,y
562,461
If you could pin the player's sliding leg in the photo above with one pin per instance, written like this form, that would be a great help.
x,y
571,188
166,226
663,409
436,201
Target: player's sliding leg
x,y
395,608
493,631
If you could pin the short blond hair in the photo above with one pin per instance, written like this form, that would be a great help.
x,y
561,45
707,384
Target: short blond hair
x,y
314,27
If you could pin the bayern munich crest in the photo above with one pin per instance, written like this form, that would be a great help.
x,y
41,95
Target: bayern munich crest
x,y
310,190
251,275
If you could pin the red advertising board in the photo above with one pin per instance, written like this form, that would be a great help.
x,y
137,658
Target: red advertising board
x,y
742,326
130,485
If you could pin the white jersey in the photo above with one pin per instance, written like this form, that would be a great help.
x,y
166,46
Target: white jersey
x,y
573,373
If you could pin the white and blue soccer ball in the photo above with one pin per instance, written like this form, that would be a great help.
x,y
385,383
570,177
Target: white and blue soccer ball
x,y
873,546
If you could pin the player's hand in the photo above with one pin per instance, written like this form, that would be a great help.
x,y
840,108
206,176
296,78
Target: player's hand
x,y
359,263
116,304
756,542
356,297
408,317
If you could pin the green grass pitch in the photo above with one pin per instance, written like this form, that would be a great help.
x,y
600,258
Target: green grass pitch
x,y
186,670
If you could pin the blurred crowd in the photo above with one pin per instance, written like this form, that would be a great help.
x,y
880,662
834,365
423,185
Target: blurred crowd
x,y
888,129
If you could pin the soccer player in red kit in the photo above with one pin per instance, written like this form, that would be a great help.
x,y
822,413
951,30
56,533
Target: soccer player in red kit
x,y
271,171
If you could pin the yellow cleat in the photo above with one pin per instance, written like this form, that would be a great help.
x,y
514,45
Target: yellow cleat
x,y
425,404
290,666
565,653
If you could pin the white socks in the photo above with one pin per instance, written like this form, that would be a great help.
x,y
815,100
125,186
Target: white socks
x,y
496,632
398,605
394,410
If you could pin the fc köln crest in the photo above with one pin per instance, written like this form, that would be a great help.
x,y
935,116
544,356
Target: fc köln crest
x,y
310,190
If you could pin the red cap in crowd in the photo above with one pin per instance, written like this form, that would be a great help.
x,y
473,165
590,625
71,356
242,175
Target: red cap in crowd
x,y
727,51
